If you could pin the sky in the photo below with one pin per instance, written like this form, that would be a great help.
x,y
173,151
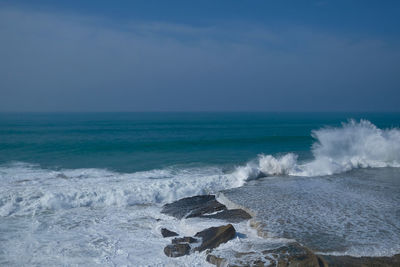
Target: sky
x,y
209,55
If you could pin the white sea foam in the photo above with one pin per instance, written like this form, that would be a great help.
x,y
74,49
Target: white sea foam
x,y
27,189
353,213
97,216
354,145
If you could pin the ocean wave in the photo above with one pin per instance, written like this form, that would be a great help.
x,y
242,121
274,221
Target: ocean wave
x,y
27,189
336,150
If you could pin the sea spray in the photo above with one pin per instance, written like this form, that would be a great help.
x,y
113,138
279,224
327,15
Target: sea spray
x,y
335,150
28,189
100,216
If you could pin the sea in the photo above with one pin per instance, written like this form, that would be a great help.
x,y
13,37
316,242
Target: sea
x,y
86,189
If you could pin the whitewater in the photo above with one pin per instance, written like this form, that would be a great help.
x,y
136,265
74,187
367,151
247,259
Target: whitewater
x,y
354,145
96,216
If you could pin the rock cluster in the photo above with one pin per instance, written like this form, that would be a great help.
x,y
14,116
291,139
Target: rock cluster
x,y
284,255
296,255
205,206
292,254
207,239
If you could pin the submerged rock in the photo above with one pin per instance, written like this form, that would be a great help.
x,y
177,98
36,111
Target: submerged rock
x,y
214,236
193,206
177,250
167,233
234,215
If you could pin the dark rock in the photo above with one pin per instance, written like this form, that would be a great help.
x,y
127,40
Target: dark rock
x,y
294,254
167,233
234,215
215,260
214,236
186,239
193,206
177,250
336,261
241,259
287,255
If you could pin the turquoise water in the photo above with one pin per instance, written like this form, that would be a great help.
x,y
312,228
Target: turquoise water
x,y
128,142
86,189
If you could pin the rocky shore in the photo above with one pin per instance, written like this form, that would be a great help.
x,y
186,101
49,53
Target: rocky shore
x,y
284,254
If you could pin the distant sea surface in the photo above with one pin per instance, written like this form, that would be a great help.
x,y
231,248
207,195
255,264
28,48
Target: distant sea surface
x,y
129,142
86,188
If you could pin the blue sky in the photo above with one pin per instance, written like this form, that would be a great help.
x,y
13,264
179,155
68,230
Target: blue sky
x,y
199,55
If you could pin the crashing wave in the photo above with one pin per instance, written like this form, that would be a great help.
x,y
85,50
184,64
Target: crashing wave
x,y
27,189
354,145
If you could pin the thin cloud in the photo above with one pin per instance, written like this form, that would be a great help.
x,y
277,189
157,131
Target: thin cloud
x,y
61,62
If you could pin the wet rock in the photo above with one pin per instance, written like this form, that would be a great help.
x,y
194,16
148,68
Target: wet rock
x,y
336,261
214,236
167,233
259,227
293,254
287,255
193,206
177,250
241,260
217,261
234,215
186,239
210,238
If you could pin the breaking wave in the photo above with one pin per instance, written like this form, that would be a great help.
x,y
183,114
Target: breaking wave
x,y
354,145
27,189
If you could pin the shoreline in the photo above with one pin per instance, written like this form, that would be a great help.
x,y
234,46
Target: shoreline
x,y
289,253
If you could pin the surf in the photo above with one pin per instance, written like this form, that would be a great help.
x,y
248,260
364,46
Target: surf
x,y
356,144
